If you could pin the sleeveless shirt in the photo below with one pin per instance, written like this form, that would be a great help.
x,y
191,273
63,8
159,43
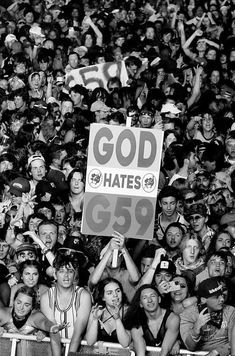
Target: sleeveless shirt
x,y
68,315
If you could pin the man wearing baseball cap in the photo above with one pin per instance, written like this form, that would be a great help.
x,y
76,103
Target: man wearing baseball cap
x,y
36,169
100,109
19,189
25,251
160,273
170,110
202,182
207,325
19,186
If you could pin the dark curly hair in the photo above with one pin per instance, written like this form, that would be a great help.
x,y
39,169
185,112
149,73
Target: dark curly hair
x,y
99,290
64,260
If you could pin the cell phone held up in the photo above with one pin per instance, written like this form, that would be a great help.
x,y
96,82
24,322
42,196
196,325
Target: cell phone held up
x,y
173,287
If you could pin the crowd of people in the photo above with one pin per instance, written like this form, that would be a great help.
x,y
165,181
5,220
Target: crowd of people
x,y
174,289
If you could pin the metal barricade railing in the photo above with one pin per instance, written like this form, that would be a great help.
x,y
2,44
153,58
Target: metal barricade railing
x,y
100,346
15,338
182,351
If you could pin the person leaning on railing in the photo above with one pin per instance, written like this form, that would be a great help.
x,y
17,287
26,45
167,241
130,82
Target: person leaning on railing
x,y
150,324
106,317
23,319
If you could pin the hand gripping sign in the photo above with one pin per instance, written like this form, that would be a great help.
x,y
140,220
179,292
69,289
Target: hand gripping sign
x,y
97,75
122,181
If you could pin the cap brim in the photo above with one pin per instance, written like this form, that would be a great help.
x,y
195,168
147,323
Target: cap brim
x,y
216,294
15,192
82,258
32,249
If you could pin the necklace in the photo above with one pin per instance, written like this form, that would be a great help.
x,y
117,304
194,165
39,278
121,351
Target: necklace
x,y
111,315
69,302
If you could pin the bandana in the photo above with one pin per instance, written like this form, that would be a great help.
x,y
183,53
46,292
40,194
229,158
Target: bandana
x,y
216,319
19,322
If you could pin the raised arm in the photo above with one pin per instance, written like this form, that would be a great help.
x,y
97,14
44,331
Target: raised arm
x,y
93,324
196,88
123,335
130,265
98,33
147,278
212,43
190,329
200,20
187,44
45,251
181,32
80,325
99,269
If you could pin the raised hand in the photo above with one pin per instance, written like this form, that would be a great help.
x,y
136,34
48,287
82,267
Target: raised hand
x,y
163,287
97,311
203,319
119,238
35,238
158,254
115,312
199,32
16,221
27,199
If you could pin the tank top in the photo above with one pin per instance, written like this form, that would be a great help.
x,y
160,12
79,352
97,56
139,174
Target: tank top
x,y
103,335
68,315
148,336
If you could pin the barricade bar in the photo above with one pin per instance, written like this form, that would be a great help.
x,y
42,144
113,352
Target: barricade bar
x,y
15,337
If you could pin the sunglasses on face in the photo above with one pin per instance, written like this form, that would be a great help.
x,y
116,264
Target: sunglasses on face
x,y
190,200
197,217
182,285
133,114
